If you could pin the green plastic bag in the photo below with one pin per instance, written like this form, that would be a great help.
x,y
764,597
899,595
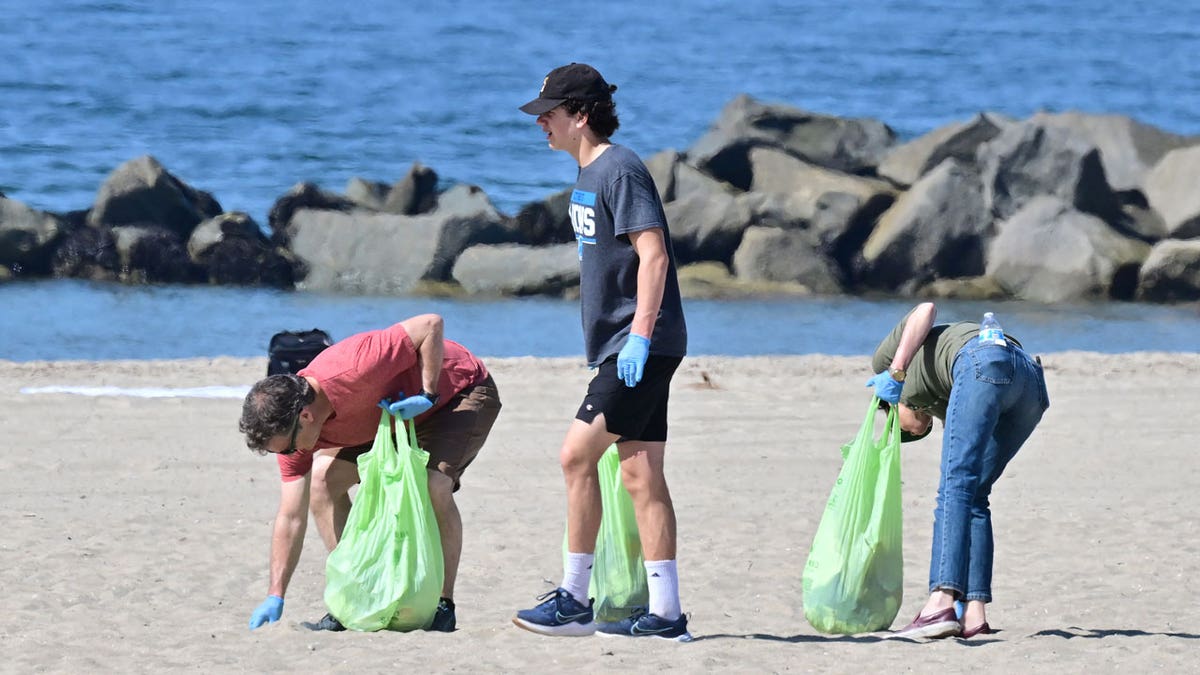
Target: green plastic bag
x,y
853,581
618,572
386,572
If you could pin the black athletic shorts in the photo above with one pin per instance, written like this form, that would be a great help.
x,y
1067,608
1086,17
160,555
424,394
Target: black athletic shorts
x,y
633,413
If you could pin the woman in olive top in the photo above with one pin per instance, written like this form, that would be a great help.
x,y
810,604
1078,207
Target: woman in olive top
x,y
990,396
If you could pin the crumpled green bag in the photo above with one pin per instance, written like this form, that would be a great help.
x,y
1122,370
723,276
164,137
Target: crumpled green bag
x,y
618,571
853,581
387,571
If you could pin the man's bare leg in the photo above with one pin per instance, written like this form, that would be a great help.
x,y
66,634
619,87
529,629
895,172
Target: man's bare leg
x,y
330,496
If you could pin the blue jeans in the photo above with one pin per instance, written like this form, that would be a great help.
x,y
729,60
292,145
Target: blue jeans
x,y
998,397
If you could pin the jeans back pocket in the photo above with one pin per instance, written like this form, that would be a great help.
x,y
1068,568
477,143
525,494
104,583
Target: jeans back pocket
x,y
993,363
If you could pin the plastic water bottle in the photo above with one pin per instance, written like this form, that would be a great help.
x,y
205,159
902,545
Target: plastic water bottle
x,y
990,332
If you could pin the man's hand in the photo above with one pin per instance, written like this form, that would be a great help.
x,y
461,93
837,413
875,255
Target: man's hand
x,y
406,408
631,361
268,612
886,387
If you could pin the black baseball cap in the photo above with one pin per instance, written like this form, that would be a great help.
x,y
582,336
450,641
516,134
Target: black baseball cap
x,y
906,436
576,80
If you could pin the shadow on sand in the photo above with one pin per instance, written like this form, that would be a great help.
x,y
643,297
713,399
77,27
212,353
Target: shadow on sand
x,y
1076,632
1065,633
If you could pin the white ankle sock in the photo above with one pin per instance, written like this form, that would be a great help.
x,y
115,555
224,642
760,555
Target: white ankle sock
x,y
577,574
662,580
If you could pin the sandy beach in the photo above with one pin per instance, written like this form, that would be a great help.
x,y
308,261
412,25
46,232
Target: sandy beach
x,y
137,529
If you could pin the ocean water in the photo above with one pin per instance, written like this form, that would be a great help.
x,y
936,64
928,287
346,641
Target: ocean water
x,y
244,99
69,319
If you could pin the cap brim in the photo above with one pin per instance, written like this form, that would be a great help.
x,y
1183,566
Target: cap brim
x,y
541,105
907,437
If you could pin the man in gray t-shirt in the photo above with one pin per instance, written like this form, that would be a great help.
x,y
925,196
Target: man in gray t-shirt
x,y
615,197
635,337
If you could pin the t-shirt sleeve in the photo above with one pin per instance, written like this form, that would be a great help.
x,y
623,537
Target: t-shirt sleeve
x,y
294,466
391,346
634,203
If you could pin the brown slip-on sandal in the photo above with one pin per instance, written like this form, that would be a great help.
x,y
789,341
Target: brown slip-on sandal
x,y
981,629
937,625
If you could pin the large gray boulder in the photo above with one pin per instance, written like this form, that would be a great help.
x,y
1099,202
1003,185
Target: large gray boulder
x,y
1128,148
512,269
226,226
840,208
368,194
1171,272
842,222
707,224
805,183
778,255
303,196
936,230
367,252
1142,221
464,200
150,254
232,249
415,193
1029,160
1051,252
688,180
849,145
963,288
905,164
545,222
141,192
87,253
661,167
1173,190
27,238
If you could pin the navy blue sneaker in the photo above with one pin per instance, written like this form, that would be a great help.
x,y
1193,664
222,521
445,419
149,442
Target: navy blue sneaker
x,y
443,617
560,614
327,622
643,624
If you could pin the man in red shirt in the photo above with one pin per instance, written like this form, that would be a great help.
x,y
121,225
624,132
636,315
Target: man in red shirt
x,y
320,420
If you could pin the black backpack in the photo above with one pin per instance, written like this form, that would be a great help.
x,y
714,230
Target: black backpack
x,y
289,351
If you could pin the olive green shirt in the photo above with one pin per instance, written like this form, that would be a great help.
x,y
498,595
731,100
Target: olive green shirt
x,y
929,375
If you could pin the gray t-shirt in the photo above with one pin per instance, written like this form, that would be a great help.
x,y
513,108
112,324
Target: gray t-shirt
x,y
613,197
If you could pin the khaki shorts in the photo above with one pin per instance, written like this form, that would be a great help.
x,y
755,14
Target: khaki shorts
x,y
454,434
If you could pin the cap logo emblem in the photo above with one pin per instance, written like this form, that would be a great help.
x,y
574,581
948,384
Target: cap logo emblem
x,y
545,81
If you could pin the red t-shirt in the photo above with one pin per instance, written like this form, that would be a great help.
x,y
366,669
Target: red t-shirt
x,y
364,368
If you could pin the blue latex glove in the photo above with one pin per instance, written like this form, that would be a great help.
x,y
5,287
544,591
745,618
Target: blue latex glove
x,y
406,408
631,361
268,612
886,388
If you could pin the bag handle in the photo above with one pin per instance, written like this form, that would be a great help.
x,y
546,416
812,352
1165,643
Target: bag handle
x,y
395,427
384,451
411,427
891,425
409,434
892,430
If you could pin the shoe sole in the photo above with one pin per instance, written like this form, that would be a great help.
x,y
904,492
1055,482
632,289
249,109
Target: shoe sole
x,y
942,629
573,629
686,637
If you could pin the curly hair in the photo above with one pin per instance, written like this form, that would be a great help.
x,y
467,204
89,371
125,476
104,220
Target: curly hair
x,y
271,408
601,114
